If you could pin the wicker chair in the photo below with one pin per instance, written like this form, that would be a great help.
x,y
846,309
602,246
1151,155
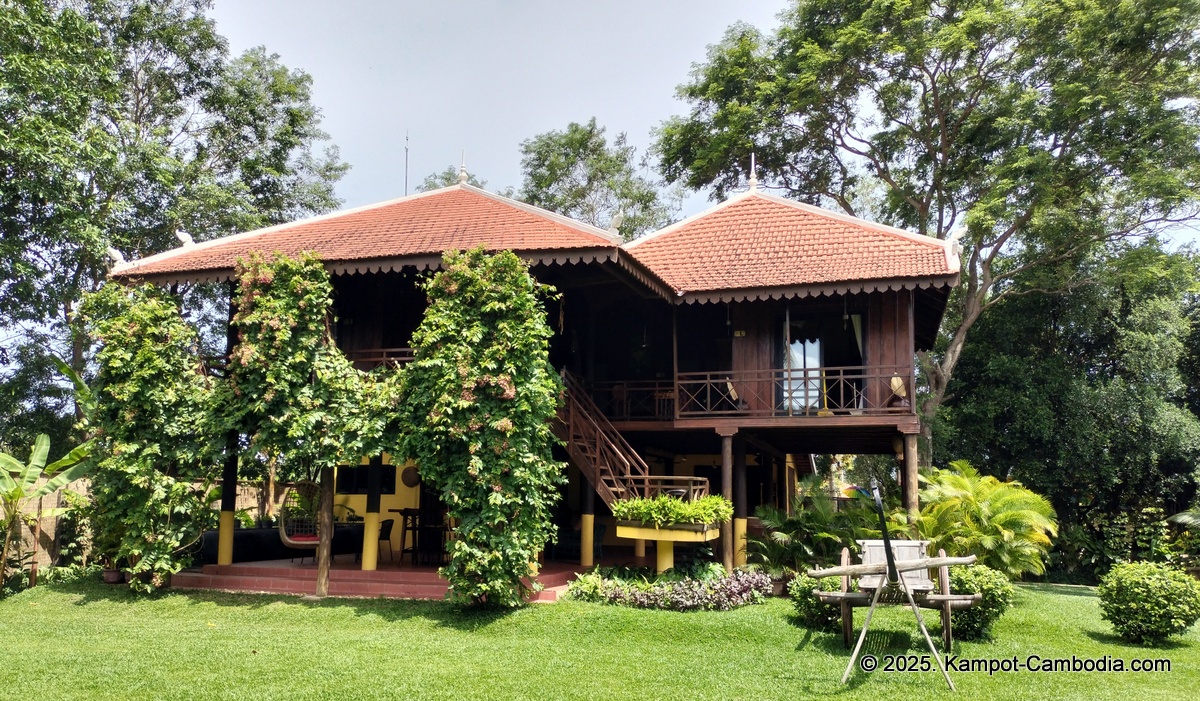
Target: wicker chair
x,y
298,516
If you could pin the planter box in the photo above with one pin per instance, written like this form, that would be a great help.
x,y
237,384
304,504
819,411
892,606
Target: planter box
x,y
678,532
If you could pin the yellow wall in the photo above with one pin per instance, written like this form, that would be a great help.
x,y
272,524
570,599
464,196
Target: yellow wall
x,y
404,498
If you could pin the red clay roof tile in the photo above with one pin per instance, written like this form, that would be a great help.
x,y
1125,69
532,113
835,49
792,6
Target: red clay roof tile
x,y
427,224
761,241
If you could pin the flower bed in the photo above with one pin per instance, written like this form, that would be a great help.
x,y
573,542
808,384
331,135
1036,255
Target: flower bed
x,y
700,588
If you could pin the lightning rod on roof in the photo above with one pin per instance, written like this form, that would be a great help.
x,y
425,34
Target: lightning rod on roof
x,y
753,176
405,162
462,170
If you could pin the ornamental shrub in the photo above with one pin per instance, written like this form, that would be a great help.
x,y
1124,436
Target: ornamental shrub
x,y
810,611
671,592
479,399
1006,525
1147,602
663,510
976,622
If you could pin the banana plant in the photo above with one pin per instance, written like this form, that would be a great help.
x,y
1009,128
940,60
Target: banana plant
x,y
19,485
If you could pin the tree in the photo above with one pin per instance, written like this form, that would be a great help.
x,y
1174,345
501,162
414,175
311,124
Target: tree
x,y
157,135
479,399
578,174
19,485
1032,129
448,177
55,76
1079,395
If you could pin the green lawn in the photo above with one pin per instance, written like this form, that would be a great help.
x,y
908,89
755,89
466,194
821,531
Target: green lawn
x,y
87,641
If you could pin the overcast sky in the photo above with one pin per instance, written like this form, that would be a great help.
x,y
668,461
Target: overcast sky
x,y
484,75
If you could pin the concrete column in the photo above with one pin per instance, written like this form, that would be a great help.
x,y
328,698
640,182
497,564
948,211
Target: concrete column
x,y
910,475
587,526
664,555
727,492
229,474
639,549
229,484
370,546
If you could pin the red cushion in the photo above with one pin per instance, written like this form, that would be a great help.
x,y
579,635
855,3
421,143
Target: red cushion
x,y
305,538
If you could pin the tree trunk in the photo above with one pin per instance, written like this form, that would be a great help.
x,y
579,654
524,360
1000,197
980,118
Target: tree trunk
x,y
325,529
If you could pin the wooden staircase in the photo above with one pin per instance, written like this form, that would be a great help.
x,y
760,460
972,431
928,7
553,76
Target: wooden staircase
x,y
605,458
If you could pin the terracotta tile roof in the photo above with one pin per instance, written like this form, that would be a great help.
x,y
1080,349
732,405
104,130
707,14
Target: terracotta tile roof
x,y
419,227
757,241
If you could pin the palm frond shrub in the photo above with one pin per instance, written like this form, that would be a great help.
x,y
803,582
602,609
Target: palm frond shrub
x,y
1006,526
813,535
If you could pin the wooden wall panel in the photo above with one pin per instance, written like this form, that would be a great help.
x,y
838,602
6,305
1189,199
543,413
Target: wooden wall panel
x,y
753,351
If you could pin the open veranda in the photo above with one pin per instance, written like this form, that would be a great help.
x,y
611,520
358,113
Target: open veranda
x,y
88,641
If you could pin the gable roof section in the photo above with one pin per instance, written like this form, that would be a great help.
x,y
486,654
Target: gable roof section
x,y
761,246
413,230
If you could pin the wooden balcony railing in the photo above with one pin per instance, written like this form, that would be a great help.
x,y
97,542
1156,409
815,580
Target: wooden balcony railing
x,y
829,391
371,358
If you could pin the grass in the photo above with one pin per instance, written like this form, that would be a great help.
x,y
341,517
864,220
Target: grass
x,y
86,641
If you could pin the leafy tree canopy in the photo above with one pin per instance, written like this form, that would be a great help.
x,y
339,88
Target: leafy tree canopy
x,y
127,125
448,177
577,173
1030,128
1081,395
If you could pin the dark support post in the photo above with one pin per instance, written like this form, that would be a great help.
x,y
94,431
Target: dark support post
x,y
370,545
587,527
740,502
229,473
910,475
727,492
325,529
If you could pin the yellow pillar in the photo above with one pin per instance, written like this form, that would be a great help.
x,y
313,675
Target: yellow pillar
x,y
587,545
370,548
739,542
639,548
225,539
665,554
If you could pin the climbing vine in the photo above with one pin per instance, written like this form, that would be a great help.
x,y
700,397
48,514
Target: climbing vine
x,y
478,402
151,418
292,390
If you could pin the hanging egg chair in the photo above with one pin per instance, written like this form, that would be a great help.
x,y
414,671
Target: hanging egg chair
x,y
298,516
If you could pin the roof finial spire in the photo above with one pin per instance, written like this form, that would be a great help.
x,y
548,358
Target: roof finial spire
x,y
753,174
462,170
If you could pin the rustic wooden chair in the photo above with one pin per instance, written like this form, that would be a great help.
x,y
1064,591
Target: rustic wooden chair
x,y
906,581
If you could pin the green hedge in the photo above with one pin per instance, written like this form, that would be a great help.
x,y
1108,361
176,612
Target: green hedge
x,y
666,510
1147,602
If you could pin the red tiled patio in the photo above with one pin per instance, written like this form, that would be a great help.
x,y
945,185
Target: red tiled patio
x,y
346,578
